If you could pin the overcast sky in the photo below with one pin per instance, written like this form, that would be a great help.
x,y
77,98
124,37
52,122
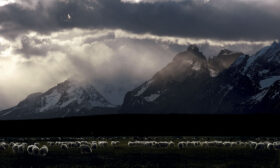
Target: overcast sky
x,y
118,44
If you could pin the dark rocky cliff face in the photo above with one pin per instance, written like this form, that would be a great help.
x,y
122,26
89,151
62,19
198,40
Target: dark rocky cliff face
x,y
178,85
230,83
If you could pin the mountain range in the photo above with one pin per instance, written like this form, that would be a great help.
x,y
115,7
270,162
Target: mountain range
x,y
229,83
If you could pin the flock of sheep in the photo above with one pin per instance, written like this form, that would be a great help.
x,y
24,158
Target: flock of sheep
x,y
86,147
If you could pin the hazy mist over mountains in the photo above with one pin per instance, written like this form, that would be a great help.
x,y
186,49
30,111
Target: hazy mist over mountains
x,y
116,44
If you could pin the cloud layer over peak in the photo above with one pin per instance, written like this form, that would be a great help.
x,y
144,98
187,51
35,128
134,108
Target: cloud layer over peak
x,y
216,19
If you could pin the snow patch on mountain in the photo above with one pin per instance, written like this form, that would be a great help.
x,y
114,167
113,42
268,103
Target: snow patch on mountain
x,y
152,97
265,71
143,88
258,97
252,59
50,100
196,66
268,81
213,73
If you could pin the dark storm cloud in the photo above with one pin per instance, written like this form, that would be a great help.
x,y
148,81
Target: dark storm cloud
x,y
218,19
32,46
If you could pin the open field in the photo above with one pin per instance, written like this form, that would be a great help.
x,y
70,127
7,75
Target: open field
x,y
205,154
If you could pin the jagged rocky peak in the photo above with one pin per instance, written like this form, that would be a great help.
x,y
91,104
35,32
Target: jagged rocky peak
x,y
193,48
222,61
225,52
192,53
276,44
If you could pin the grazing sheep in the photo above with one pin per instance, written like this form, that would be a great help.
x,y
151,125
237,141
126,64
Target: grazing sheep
x,y
155,145
15,148
149,144
94,145
204,144
64,146
171,144
37,144
50,143
77,144
85,149
260,146
189,144
227,144
102,143
276,146
11,144
43,150
85,143
29,149
130,144
115,143
2,146
181,145
163,144
219,144
233,144
253,145
270,146
21,148
35,150
5,144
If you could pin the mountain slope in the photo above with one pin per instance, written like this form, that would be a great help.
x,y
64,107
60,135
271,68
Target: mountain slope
x,y
70,98
175,88
252,84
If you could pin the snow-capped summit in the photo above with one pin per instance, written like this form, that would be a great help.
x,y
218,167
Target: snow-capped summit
x,y
225,52
84,95
68,98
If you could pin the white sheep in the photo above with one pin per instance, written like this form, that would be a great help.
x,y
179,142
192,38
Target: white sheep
x,y
233,144
43,150
270,146
11,144
64,146
115,143
226,144
130,144
21,148
37,144
171,144
2,146
253,144
35,150
15,148
94,145
85,149
276,146
29,149
204,144
163,144
102,143
260,146
181,145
